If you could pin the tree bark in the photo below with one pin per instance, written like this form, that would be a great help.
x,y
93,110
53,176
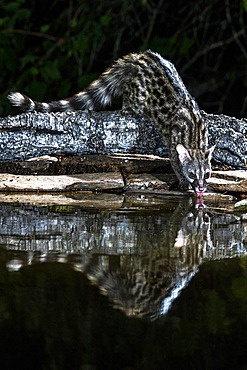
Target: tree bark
x,y
31,135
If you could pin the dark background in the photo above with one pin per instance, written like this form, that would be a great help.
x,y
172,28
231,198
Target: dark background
x,y
53,49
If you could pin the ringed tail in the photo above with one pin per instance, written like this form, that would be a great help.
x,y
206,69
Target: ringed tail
x,y
98,94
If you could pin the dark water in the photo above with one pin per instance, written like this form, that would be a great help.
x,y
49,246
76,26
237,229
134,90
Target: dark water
x,y
107,282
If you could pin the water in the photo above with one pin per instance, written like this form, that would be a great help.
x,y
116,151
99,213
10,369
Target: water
x,y
113,282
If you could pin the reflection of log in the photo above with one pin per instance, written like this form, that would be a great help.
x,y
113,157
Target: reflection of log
x,y
141,260
35,134
61,226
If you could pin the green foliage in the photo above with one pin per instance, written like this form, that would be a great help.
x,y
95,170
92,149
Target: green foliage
x,y
44,58
245,5
171,46
53,54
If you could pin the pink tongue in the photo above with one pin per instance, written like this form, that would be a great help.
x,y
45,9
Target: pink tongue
x,y
200,203
199,193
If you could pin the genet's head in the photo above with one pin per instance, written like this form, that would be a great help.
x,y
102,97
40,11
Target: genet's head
x,y
196,167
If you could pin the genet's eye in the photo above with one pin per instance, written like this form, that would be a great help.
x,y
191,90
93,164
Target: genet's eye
x,y
192,176
206,176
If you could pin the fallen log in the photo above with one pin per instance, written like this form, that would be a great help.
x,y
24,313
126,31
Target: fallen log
x,y
230,136
36,134
31,135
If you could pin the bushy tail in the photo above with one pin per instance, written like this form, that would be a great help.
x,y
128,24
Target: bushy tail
x,y
97,95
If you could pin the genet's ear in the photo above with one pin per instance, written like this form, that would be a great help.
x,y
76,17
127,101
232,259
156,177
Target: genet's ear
x,y
209,152
183,153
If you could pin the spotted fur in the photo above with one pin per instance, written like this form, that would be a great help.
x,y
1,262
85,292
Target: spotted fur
x,y
151,87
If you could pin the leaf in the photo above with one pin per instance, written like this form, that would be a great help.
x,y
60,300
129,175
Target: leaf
x,y
105,20
12,6
185,45
81,43
44,28
26,60
245,5
50,71
4,22
34,71
23,14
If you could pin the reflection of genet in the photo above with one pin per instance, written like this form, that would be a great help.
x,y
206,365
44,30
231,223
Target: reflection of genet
x,y
145,286
196,220
143,267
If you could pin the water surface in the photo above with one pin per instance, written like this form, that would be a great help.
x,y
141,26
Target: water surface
x,y
113,282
